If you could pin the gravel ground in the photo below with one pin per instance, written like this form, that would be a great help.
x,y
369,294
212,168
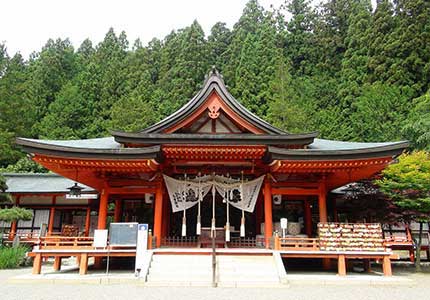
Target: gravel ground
x,y
418,288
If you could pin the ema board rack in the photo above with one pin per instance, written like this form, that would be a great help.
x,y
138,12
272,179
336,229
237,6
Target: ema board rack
x,y
351,237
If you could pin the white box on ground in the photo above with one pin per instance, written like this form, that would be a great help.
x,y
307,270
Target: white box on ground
x,y
141,248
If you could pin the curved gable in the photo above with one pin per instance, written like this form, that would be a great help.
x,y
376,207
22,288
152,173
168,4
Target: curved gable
x,y
214,102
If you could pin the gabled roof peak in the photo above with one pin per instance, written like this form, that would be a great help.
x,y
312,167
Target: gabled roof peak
x,y
214,82
214,73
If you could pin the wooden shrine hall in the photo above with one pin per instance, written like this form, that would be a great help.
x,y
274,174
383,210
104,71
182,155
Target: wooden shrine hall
x,y
213,134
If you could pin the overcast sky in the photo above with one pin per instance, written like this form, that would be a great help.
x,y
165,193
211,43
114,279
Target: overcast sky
x,y
26,25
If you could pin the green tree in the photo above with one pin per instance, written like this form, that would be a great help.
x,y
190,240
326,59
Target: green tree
x,y
107,77
288,108
411,45
300,41
49,70
380,112
67,115
218,42
408,184
184,63
417,125
16,108
24,165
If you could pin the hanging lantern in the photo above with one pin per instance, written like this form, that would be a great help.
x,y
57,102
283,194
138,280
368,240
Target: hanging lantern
x,y
75,190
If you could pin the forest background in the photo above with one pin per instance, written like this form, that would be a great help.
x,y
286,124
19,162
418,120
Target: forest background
x,y
343,68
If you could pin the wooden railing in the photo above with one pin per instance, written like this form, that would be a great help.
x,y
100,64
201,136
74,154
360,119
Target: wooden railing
x,y
245,242
58,242
180,241
296,244
24,237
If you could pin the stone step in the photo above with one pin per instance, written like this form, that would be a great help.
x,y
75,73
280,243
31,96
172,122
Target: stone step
x,y
173,278
162,283
196,270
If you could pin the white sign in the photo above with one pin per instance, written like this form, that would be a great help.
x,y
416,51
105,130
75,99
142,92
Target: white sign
x,y
284,226
82,196
100,238
284,223
141,248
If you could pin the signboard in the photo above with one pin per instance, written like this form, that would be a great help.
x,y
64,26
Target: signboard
x,y
284,226
123,234
100,238
142,246
82,196
284,223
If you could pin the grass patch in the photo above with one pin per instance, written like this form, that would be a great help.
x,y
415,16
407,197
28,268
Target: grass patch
x,y
12,257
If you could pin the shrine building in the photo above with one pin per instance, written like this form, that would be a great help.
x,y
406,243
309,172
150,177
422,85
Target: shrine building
x,y
212,163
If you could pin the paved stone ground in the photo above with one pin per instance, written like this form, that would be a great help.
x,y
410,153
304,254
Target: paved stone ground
x,y
411,286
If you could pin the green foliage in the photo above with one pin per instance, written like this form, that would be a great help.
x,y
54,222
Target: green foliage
x,y
5,198
24,165
340,68
15,214
12,257
408,184
377,111
417,125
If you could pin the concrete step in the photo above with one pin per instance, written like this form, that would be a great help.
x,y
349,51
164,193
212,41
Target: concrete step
x,y
196,270
162,283
184,278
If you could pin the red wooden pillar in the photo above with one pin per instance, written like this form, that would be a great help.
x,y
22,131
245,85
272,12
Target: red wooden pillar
x,y
87,222
308,217
51,220
158,215
268,220
322,206
52,216
118,210
322,202
103,209
102,220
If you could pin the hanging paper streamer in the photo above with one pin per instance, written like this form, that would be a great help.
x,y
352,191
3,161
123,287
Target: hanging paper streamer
x,y
242,220
184,194
184,225
200,199
199,226
184,218
213,227
227,224
242,226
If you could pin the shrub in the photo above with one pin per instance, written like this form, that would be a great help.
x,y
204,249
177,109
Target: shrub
x,y
12,257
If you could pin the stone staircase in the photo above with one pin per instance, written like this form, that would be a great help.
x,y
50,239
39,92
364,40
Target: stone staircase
x,y
180,270
231,271
247,270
